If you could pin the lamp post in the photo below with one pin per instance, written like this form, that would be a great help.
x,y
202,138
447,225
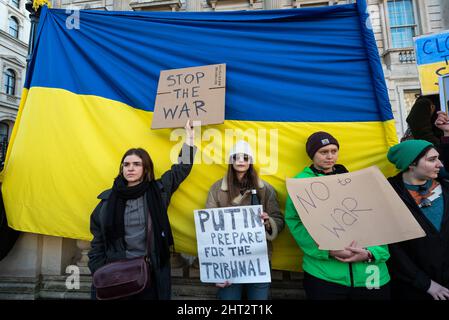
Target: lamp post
x,y
34,18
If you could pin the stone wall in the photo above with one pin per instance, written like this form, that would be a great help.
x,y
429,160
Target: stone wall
x,y
41,267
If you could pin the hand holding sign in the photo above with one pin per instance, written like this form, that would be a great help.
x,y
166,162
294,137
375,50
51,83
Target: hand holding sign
x,y
359,254
443,83
442,122
266,221
352,253
223,285
342,254
190,133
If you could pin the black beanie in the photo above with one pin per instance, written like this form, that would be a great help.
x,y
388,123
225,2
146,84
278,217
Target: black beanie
x,y
318,140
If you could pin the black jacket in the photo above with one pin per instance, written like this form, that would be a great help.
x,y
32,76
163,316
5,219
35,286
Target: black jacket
x,y
421,122
99,255
415,262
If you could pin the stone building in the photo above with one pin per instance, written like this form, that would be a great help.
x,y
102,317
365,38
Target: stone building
x,y
14,33
39,266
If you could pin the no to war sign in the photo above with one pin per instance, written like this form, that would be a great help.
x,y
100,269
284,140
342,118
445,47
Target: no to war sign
x,y
232,245
360,206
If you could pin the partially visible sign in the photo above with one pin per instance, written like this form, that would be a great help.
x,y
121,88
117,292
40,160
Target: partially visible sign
x,y
444,93
432,59
196,93
232,245
360,206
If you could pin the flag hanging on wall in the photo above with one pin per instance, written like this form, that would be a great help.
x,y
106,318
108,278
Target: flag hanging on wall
x,y
91,87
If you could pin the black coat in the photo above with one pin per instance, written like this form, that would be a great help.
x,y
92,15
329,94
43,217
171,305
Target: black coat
x,y
415,262
100,254
421,122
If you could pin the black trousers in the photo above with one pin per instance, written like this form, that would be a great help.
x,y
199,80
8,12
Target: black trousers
x,y
404,291
318,289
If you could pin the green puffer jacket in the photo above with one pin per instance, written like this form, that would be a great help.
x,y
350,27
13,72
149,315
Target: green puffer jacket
x,y
319,264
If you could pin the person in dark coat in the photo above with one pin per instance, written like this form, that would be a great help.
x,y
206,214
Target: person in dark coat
x,y
421,120
420,267
119,222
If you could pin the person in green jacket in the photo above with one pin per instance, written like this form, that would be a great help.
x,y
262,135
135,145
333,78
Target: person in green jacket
x,y
349,274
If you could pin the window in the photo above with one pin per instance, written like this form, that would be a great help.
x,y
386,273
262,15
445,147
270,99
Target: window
x,y
9,80
402,23
14,27
410,97
4,129
314,4
16,3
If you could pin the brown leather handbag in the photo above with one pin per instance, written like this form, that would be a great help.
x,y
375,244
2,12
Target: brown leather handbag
x,y
123,278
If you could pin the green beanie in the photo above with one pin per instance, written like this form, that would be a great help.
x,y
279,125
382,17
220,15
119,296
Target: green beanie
x,y
403,154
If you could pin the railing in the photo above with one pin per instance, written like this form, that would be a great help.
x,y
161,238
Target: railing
x,y
9,100
407,56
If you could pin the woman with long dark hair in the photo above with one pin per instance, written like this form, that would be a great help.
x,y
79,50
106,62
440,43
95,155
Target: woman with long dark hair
x,y
135,207
421,120
238,188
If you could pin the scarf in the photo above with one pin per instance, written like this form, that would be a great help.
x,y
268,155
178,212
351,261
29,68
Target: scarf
x,y
115,216
421,193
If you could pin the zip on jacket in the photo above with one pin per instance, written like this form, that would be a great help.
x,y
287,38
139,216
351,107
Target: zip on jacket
x,y
351,274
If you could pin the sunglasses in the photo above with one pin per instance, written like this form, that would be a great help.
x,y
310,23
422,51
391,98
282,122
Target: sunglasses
x,y
240,156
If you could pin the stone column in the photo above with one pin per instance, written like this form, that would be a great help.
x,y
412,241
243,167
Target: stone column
x,y
84,246
176,260
194,5
423,15
272,4
213,4
445,14
20,270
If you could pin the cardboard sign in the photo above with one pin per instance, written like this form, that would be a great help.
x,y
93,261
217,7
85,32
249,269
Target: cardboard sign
x,y
232,245
432,59
444,93
196,93
360,206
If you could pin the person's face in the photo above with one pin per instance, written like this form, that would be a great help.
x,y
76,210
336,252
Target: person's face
x,y
326,157
428,166
133,169
240,162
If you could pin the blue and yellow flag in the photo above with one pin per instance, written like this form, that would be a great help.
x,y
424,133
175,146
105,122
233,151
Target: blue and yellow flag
x,y
91,88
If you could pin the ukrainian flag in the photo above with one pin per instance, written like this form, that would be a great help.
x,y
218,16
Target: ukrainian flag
x,y
91,88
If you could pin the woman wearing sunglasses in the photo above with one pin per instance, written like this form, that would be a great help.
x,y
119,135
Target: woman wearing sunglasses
x,y
420,267
235,189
